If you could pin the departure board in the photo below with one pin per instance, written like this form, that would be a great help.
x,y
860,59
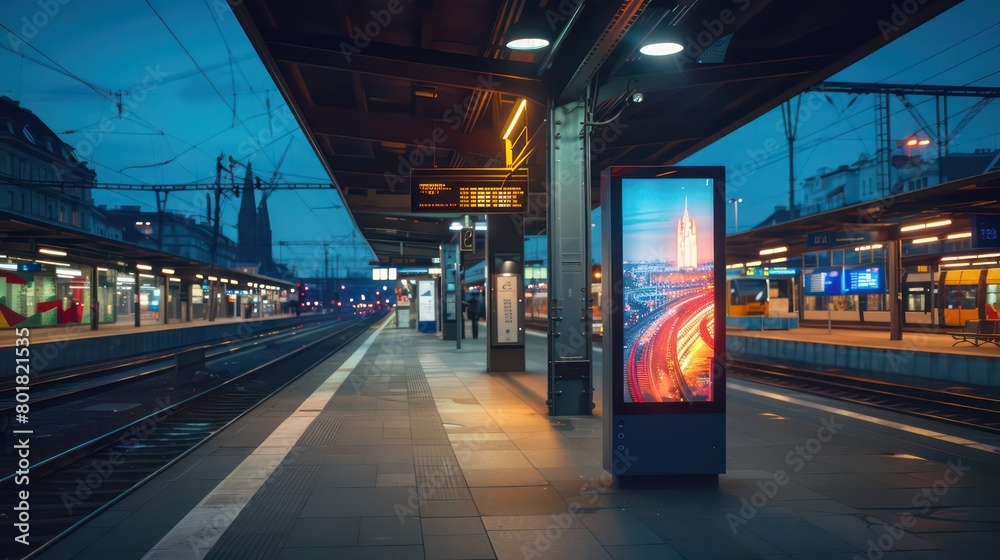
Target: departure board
x,y
468,190
864,280
824,282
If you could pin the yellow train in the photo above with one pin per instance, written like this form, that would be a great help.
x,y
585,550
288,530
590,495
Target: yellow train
x,y
748,297
969,295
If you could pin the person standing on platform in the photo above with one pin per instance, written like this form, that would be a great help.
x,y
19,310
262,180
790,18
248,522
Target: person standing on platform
x,y
472,312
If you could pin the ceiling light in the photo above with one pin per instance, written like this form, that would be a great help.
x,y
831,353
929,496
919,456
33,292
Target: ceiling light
x,y
924,240
513,121
960,235
528,34
914,227
985,263
780,260
753,263
773,251
168,271
143,267
427,92
455,226
662,42
53,263
52,252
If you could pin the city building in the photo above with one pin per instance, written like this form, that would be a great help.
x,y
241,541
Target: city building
x,y
181,235
34,163
687,241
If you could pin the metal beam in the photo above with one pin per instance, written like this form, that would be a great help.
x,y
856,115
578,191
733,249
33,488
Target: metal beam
x,y
401,129
406,63
657,79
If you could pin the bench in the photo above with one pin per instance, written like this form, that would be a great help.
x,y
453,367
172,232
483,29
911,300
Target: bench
x,y
978,333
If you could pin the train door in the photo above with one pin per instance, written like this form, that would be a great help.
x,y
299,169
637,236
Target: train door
x,y
992,299
961,288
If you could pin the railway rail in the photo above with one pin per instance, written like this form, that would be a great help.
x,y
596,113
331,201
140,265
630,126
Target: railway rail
x,y
73,486
969,410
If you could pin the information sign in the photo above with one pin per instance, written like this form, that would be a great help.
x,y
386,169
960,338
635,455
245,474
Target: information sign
x,y
468,190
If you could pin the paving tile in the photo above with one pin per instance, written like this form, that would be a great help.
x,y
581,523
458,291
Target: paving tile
x,y
356,502
797,536
518,500
644,552
558,544
458,547
615,526
320,531
448,508
452,526
347,476
504,477
383,531
400,479
533,522
353,553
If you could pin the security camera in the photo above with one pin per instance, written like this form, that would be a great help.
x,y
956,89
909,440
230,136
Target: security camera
x,y
637,97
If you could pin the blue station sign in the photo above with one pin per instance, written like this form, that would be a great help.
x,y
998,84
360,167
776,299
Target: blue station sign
x,y
839,238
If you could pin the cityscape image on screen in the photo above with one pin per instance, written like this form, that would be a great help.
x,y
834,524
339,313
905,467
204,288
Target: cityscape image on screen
x,y
668,292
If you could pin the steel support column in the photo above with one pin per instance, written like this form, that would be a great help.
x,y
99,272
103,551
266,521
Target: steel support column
x,y
504,246
571,390
449,283
895,271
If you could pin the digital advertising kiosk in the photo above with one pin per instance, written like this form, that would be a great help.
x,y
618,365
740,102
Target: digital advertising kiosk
x,y
663,257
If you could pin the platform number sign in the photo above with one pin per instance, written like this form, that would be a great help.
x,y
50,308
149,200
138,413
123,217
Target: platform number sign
x,y
467,240
986,231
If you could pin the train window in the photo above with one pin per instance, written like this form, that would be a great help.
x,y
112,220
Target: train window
x,y
969,296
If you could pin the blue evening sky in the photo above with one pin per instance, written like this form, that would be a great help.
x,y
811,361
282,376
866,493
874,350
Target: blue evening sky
x,y
70,67
651,209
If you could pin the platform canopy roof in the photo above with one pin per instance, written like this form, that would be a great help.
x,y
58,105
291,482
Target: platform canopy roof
x,y
955,201
382,85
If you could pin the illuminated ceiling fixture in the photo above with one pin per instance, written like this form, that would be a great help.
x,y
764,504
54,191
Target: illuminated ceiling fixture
x,y
513,121
528,34
773,251
779,260
143,267
52,252
427,92
753,263
924,240
960,235
168,271
984,263
915,227
455,226
662,42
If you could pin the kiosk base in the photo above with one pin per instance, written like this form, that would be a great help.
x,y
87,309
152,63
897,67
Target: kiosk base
x,y
672,481
667,445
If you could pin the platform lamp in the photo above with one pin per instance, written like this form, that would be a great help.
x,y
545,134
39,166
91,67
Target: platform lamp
x,y
528,33
662,41
736,213
913,141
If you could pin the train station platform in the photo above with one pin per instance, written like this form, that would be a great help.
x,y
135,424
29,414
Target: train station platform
x,y
929,354
401,446
75,344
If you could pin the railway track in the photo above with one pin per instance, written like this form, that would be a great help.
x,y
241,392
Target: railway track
x,y
71,487
76,382
968,410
